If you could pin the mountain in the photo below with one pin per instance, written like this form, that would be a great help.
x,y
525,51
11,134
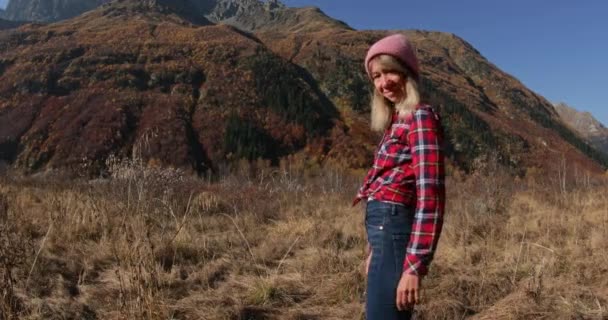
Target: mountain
x,y
586,125
272,15
248,15
134,77
7,24
48,10
157,80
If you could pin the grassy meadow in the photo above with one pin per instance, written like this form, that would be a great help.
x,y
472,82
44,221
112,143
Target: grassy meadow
x,y
261,242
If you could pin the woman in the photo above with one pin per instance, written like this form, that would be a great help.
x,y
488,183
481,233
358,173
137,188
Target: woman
x,y
404,189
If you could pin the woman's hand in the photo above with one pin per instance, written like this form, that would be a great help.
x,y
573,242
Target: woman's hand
x,y
408,291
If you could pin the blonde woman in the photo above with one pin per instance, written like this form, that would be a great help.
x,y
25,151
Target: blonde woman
x,y
404,189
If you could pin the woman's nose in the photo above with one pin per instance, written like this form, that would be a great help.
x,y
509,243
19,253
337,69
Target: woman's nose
x,y
385,81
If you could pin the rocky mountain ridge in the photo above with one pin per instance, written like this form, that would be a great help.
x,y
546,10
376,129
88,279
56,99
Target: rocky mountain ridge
x,y
248,15
48,10
585,124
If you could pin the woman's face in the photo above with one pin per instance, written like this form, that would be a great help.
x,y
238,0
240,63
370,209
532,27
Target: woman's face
x,y
389,83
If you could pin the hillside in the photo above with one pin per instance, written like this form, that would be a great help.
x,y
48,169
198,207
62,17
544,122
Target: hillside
x,y
136,78
586,125
521,126
156,80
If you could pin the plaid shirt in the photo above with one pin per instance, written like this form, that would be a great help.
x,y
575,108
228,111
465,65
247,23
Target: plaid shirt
x,y
409,170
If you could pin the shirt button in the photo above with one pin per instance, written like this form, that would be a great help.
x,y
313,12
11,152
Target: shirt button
x,y
381,227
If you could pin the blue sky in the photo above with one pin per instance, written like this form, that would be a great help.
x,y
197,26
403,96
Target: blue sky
x,y
3,3
557,48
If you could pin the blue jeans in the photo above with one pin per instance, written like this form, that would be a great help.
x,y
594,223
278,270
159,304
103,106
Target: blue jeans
x,y
388,231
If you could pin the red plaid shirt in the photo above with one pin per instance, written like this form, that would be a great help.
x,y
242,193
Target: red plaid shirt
x,y
409,170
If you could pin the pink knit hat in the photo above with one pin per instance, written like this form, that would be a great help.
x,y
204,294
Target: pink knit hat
x,y
398,46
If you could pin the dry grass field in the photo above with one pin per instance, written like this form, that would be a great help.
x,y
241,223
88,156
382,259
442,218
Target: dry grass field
x,y
284,243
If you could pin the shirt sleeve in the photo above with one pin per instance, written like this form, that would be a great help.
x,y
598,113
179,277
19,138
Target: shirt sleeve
x,y
425,140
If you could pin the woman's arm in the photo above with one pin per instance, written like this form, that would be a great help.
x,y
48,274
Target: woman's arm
x,y
425,142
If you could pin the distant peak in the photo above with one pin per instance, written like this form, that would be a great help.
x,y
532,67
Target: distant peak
x,y
274,4
186,10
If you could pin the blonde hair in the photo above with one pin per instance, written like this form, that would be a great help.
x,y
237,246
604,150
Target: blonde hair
x,y
382,108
